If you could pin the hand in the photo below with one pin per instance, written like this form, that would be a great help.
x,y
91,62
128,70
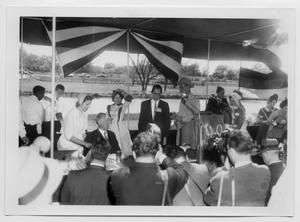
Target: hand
x,y
25,141
59,116
87,145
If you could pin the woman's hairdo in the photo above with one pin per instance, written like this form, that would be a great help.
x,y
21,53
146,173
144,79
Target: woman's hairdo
x,y
117,92
86,98
145,143
283,103
273,97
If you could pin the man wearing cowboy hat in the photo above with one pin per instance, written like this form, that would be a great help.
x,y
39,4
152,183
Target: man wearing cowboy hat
x,y
270,152
186,118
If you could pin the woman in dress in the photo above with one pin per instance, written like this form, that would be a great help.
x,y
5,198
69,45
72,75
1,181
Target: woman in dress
x,y
119,124
74,128
238,111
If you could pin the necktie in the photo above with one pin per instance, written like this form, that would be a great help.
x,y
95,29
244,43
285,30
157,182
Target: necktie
x,y
105,135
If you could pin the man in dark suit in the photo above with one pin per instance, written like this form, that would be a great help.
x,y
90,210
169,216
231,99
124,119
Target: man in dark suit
x,y
155,111
270,153
89,186
102,133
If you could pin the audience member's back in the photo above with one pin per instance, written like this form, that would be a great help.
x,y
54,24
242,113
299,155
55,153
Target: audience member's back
x,y
142,186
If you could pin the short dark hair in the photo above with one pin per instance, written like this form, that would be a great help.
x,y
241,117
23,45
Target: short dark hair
x,y
240,141
220,89
156,87
59,86
145,143
38,89
100,150
213,155
174,152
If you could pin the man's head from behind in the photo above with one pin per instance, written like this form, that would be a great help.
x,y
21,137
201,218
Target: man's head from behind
x,y
240,146
145,144
100,151
102,121
39,92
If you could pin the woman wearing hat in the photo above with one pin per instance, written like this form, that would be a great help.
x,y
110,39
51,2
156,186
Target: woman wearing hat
x,y
74,129
238,110
119,124
187,118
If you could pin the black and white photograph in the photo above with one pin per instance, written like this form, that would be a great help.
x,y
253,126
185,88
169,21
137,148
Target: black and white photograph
x,y
188,113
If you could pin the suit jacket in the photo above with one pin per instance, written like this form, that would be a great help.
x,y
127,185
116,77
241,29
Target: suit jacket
x,y
94,136
276,170
251,186
162,119
215,105
86,187
142,184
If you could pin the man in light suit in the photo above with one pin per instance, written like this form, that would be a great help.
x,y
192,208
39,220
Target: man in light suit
x,y
155,111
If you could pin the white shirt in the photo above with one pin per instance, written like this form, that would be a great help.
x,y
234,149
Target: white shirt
x,y
32,111
22,131
103,133
153,107
47,108
75,124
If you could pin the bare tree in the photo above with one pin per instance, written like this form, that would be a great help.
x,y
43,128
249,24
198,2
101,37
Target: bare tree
x,y
144,70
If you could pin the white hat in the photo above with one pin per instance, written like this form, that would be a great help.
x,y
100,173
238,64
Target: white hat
x,y
42,144
38,177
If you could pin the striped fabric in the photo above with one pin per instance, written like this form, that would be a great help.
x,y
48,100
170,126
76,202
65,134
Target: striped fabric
x,y
77,46
165,53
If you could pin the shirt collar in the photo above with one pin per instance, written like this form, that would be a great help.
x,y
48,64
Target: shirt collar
x,y
242,163
97,164
276,161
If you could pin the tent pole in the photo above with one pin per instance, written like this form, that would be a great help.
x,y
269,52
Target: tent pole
x,y
22,59
128,78
207,78
52,87
239,76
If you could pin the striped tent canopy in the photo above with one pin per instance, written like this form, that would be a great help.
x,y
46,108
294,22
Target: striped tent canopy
x,y
163,40
78,45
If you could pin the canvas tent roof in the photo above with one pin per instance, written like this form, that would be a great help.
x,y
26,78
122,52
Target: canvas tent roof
x,y
226,36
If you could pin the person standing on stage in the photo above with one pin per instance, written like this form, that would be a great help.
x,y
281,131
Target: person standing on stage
x,y
238,114
32,113
119,123
155,111
58,116
187,119
217,105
